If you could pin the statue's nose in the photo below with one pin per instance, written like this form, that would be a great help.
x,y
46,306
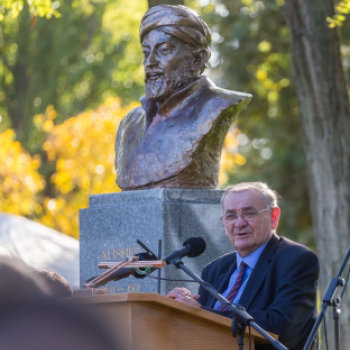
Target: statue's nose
x,y
151,60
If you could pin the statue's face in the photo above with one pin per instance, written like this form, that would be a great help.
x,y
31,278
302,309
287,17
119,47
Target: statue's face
x,y
167,63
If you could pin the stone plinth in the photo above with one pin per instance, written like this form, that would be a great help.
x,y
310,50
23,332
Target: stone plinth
x,y
162,219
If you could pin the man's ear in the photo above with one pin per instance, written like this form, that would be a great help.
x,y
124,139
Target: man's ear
x,y
200,58
275,216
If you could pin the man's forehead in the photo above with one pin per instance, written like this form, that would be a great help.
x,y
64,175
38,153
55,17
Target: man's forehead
x,y
244,199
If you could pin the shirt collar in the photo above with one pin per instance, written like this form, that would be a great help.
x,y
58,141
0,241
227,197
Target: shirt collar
x,y
252,258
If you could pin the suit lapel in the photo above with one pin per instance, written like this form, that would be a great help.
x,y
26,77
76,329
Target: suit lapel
x,y
258,275
223,279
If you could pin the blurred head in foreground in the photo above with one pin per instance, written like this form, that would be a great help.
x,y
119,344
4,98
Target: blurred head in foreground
x,y
18,281
51,324
31,319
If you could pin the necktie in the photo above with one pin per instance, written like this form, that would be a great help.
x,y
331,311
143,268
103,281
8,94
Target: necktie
x,y
236,286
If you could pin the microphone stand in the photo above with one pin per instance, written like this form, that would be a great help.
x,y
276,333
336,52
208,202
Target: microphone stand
x,y
97,281
329,299
241,317
116,266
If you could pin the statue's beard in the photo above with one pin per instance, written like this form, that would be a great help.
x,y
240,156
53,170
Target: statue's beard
x,y
159,86
159,89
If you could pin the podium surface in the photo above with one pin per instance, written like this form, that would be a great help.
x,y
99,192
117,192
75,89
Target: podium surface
x,y
150,321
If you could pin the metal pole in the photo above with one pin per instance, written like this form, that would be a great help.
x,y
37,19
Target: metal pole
x,y
336,318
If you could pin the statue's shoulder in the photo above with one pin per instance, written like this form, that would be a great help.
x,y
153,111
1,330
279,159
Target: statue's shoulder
x,y
232,95
225,96
131,125
133,118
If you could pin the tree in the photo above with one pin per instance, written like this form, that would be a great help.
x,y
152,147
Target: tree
x,y
20,181
74,62
342,10
81,152
325,119
41,8
250,53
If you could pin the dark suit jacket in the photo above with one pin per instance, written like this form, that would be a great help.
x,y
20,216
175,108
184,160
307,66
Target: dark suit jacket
x,y
280,293
178,145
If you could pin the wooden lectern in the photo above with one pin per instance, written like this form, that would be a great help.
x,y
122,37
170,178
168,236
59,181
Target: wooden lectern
x,y
150,321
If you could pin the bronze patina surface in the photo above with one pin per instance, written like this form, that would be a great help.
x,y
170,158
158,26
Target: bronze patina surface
x,y
174,140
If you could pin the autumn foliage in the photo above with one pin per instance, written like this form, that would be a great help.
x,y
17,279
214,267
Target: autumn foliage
x,y
230,158
20,180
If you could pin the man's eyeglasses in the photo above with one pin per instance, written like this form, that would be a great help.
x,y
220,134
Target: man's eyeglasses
x,y
246,215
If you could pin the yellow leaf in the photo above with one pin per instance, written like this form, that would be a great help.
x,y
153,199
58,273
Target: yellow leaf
x,y
264,46
261,74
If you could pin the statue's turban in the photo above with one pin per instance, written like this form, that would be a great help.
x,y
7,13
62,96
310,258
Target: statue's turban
x,y
179,21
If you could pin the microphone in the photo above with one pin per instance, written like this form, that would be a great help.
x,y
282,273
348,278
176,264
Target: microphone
x,y
193,247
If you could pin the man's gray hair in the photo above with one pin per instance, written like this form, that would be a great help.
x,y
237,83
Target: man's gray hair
x,y
270,196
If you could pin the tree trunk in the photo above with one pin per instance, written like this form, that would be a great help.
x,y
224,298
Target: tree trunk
x,y
21,121
325,118
152,3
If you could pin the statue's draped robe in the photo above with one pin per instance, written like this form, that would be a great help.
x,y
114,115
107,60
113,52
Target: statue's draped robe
x,y
179,145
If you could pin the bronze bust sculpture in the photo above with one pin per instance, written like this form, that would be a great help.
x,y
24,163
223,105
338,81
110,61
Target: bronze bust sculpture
x,y
174,140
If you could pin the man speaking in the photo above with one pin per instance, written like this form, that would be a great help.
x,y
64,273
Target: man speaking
x,y
272,277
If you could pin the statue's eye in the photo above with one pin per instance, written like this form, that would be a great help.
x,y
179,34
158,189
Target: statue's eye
x,y
164,51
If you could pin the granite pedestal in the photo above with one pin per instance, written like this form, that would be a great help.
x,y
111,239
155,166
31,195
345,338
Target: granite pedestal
x,y
162,219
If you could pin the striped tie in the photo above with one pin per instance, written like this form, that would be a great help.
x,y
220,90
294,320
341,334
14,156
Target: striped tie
x,y
236,286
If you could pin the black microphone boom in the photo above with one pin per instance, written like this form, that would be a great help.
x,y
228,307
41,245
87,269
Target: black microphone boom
x,y
193,247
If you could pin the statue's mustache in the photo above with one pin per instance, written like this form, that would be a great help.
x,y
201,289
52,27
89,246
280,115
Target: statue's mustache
x,y
153,74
